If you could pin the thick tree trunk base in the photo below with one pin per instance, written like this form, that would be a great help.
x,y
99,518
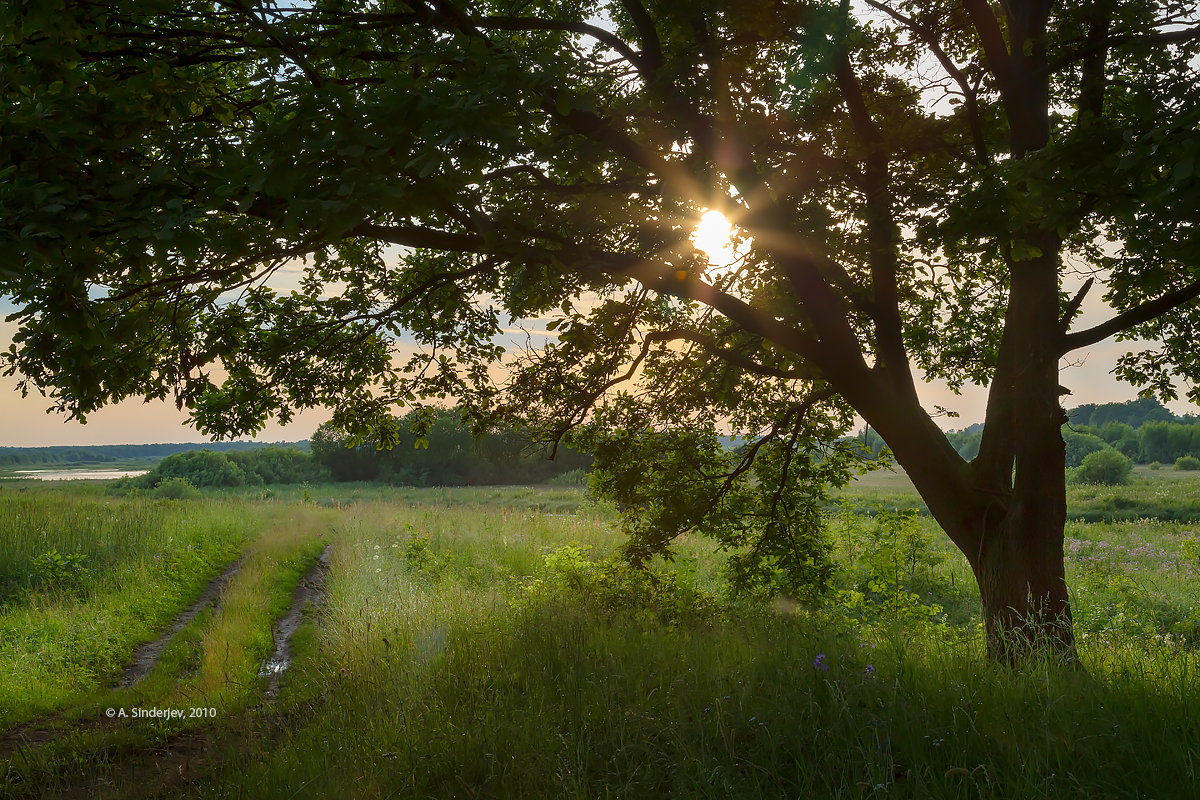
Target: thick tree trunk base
x,y
1017,636
1026,607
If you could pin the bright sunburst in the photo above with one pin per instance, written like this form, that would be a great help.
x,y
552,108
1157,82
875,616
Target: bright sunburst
x,y
714,237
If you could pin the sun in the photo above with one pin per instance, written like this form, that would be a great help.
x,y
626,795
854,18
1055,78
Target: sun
x,y
714,237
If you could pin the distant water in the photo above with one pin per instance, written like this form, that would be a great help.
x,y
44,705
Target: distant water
x,y
77,474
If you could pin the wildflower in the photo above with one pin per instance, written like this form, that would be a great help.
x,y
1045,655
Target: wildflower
x,y
819,662
870,670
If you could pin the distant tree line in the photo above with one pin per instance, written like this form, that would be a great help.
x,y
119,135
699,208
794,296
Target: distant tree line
x,y
1119,434
234,468
82,455
1142,430
1133,413
451,455
1162,442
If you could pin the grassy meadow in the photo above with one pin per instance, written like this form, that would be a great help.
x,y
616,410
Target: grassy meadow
x,y
485,643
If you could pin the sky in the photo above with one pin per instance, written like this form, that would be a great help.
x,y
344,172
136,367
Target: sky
x,y
25,423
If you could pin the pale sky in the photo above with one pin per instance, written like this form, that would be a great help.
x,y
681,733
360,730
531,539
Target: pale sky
x,y
25,423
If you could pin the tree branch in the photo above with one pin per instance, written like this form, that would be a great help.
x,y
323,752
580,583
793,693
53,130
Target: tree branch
x,y
651,46
1073,307
991,38
881,230
1093,46
422,238
504,23
1091,87
726,354
1128,319
970,96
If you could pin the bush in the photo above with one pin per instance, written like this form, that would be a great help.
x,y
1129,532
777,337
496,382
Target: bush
x,y
1105,466
278,465
61,572
614,588
239,468
175,489
1155,465
575,477
196,468
1080,445
1187,462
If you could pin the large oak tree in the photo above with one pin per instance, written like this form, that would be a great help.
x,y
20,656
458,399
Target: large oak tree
x,y
926,190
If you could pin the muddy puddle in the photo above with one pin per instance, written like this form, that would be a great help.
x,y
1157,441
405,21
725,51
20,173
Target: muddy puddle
x,y
311,589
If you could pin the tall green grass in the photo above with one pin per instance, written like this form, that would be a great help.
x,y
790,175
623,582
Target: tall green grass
x,y
453,661
212,666
128,568
480,643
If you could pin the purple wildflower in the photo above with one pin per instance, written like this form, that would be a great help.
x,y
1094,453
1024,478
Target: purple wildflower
x,y
819,662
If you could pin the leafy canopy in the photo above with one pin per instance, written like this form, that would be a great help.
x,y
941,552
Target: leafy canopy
x,y
423,172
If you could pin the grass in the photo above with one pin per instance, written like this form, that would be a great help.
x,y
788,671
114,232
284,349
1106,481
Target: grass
x,y
210,669
67,627
480,643
434,683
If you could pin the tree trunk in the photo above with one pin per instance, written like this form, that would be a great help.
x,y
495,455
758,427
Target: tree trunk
x,y
1006,512
1018,561
1020,571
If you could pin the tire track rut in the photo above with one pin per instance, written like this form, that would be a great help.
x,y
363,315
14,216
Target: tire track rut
x,y
310,590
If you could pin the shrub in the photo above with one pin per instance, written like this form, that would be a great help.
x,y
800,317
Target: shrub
x,y
614,588
574,477
1187,462
1155,465
175,489
62,572
278,465
1080,445
1105,466
196,468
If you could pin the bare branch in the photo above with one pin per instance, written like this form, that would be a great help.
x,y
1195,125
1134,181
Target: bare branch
x,y
1128,319
1073,307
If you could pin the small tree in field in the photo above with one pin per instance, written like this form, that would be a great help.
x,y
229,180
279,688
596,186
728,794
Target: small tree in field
x,y
921,190
1107,466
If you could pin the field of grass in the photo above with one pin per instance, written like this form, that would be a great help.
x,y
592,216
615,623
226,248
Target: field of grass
x,y
484,643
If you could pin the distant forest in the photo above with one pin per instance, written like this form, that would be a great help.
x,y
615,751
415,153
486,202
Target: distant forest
x,y
92,455
1144,430
451,456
